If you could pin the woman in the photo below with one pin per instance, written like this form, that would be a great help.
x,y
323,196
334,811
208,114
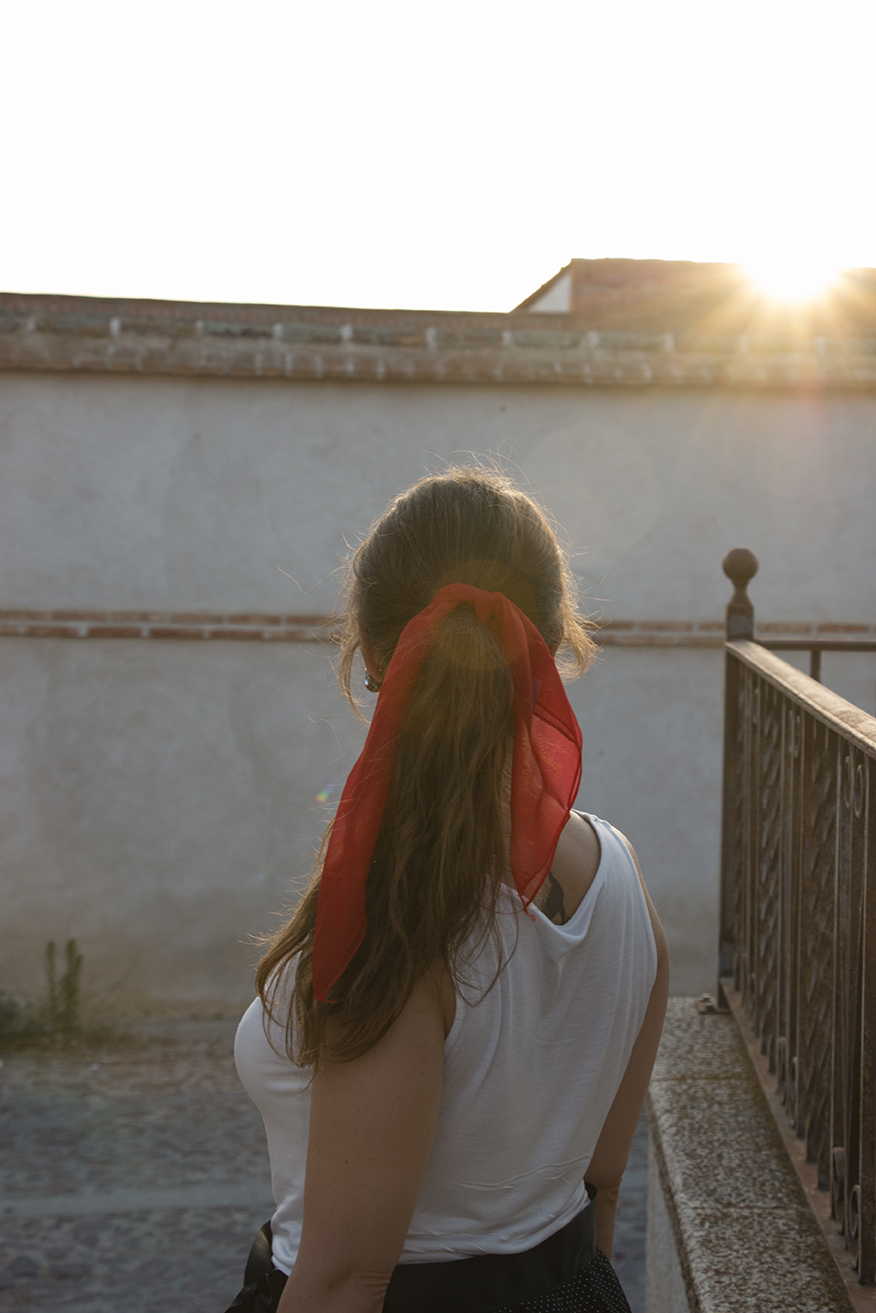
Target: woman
x,y
460,1019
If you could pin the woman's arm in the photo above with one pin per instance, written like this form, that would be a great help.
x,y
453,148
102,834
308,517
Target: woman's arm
x,y
612,1150
372,1122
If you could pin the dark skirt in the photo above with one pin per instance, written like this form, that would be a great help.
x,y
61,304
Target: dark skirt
x,y
595,1290
564,1274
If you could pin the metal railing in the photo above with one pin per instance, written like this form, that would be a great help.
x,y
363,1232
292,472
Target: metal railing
x,y
798,913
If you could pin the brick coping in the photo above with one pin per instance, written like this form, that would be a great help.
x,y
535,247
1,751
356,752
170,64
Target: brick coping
x,y
258,627
52,334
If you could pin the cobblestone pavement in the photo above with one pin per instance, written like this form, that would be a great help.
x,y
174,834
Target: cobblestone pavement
x,y
632,1211
134,1175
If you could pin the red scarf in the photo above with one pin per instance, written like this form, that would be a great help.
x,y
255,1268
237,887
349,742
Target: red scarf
x,y
545,772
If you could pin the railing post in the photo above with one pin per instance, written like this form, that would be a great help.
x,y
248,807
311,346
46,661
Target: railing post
x,y
740,565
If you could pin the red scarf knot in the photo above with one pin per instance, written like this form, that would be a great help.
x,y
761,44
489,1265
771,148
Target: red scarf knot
x,y
545,771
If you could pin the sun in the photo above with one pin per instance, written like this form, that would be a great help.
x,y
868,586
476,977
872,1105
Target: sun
x,y
792,278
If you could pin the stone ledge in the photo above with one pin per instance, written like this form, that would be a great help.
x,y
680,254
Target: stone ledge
x,y
46,334
729,1227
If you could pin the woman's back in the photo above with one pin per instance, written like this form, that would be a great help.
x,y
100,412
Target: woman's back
x,y
455,1060
530,1071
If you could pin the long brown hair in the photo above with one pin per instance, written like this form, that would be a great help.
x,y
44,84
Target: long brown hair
x,y
442,850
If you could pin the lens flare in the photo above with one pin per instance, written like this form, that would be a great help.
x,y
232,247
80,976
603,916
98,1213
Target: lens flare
x,y
791,278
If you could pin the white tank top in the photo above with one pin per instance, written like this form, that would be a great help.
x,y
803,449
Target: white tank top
x,y
531,1069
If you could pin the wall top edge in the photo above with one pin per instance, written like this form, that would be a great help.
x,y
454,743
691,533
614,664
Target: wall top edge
x,y
97,307
45,333
687,299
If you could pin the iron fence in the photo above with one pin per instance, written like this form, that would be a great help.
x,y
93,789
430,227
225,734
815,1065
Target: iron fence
x,y
798,908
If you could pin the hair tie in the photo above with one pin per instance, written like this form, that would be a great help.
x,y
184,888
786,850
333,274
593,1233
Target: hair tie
x,y
545,772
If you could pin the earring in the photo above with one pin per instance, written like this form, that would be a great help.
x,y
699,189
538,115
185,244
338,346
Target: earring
x,y
373,685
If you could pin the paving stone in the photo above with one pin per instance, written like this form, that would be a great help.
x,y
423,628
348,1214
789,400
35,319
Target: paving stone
x,y
162,1115
95,1146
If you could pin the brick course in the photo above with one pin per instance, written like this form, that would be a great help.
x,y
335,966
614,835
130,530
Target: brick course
x,y
320,629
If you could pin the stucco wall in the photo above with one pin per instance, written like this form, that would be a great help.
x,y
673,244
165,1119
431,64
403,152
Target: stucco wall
x,y
158,797
129,492
157,800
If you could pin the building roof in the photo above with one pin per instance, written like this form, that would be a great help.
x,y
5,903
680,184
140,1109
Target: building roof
x,y
596,322
683,296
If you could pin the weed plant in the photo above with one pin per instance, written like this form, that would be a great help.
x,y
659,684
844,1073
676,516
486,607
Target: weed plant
x,y
56,1020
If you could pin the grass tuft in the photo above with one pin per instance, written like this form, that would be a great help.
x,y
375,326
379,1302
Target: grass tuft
x,y
56,1021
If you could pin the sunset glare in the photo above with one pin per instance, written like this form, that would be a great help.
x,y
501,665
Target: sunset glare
x,y
792,279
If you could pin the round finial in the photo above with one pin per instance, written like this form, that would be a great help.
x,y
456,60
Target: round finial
x,y
740,565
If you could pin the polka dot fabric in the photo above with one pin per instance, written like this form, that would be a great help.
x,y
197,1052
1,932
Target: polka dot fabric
x,y
595,1290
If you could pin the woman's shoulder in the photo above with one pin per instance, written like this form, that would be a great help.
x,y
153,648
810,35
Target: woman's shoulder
x,y
620,855
590,852
574,868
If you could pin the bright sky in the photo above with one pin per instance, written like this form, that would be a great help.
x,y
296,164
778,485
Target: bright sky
x,y
446,155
